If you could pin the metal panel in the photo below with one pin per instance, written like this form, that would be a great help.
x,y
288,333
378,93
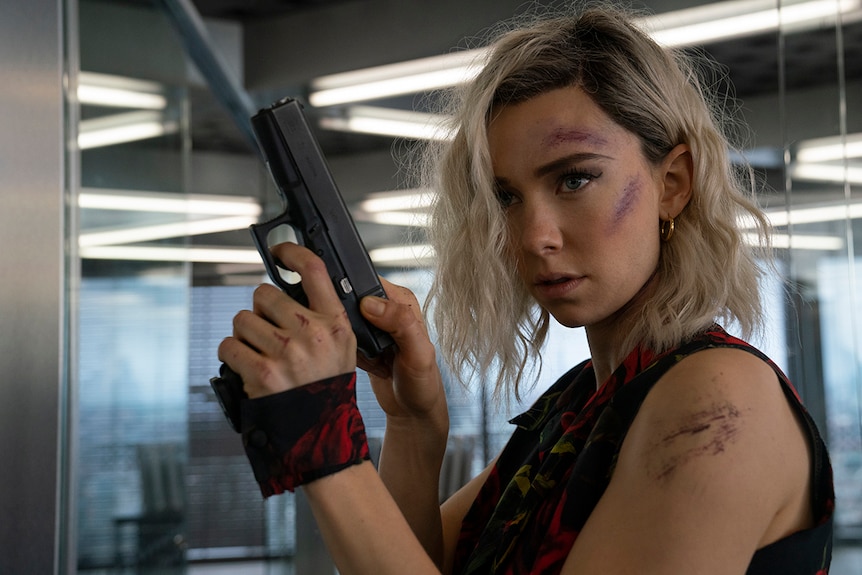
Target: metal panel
x,y
31,288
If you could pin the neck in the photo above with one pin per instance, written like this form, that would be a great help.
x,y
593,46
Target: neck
x,y
606,338
606,351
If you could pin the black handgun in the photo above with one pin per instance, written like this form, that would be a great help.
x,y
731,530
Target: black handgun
x,y
317,213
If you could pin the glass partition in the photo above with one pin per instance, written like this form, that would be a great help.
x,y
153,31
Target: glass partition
x,y
162,482
133,314
819,216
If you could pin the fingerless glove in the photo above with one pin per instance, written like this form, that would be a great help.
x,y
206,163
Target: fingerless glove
x,y
296,436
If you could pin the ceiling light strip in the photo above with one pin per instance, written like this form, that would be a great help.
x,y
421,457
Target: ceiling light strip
x,y
128,235
801,242
165,202
125,127
171,254
829,149
120,92
691,26
390,122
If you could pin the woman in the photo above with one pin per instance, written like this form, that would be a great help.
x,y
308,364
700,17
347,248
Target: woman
x,y
587,181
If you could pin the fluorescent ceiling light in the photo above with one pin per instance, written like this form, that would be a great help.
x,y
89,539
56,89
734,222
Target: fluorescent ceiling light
x,y
410,255
397,79
128,235
414,199
727,20
220,213
122,128
164,202
171,254
390,122
802,242
120,92
406,219
815,214
415,255
829,149
691,26
399,208
837,174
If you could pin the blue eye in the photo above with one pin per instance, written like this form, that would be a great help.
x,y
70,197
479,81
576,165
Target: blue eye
x,y
575,180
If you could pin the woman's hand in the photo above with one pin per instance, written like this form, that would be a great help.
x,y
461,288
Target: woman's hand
x,y
282,344
406,380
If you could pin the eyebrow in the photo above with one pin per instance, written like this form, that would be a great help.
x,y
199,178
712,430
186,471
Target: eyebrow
x,y
557,165
566,161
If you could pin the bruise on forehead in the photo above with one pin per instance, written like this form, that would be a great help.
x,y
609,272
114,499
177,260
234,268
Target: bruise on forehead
x,y
562,136
706,433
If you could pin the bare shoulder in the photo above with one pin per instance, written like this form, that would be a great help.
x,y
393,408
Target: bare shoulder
x,y
714,466
715,385
721,418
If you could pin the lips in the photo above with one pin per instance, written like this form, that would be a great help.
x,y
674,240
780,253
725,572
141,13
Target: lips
x,y
554,286
552,279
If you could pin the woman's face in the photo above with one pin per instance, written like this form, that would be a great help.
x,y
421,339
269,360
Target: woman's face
x,y
582,203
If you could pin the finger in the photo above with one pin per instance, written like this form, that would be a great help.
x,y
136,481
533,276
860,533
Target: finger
x,y
403,295
239,357
380,366
277,307
261,334
401,319
316,282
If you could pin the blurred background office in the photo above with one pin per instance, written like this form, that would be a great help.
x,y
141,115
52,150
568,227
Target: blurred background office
x,y
128,177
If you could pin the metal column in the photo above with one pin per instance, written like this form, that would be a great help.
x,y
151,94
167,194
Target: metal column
x,y
32,311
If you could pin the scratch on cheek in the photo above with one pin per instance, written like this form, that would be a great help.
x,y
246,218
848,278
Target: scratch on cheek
x,y
705,433
626,202
303,321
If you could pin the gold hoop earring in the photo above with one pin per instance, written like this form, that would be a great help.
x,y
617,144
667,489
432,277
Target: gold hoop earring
x,y
665,229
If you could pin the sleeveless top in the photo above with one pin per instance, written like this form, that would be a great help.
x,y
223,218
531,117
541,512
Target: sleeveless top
x,y
560,458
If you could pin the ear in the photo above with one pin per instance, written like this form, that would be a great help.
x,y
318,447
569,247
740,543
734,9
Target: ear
x,y
677,172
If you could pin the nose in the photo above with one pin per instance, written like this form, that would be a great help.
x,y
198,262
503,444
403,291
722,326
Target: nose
x,y
538,227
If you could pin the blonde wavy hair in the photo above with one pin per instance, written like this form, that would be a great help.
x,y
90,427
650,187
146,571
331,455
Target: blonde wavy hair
x,y
483,314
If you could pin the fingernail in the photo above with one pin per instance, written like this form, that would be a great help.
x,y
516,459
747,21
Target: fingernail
x,y
373,305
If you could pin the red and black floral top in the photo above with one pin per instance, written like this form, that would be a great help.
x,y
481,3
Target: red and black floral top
x,y
560,459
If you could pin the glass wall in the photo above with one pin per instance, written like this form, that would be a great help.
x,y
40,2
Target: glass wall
x,y
133,315
162,484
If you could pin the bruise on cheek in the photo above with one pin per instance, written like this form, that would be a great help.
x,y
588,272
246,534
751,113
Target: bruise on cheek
x,y
705,433
627,200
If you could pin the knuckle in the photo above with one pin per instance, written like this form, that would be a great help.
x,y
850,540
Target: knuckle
x,y
224,347
241,319
315,265
262,291
405,315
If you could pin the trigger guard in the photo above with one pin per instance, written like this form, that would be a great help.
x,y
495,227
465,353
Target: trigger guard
x,y
295,291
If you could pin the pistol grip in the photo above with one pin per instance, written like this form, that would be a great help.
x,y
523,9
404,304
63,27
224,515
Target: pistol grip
x,y
229,391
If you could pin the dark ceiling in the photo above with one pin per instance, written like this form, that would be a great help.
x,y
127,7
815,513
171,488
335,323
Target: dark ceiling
x,y
242,10
752,63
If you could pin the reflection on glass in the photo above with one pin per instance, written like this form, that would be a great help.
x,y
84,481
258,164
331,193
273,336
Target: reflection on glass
x,y
162,480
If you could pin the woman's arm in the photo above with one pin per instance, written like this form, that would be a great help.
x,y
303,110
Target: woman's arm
x,y
714,466
410,391
362,526
282,345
